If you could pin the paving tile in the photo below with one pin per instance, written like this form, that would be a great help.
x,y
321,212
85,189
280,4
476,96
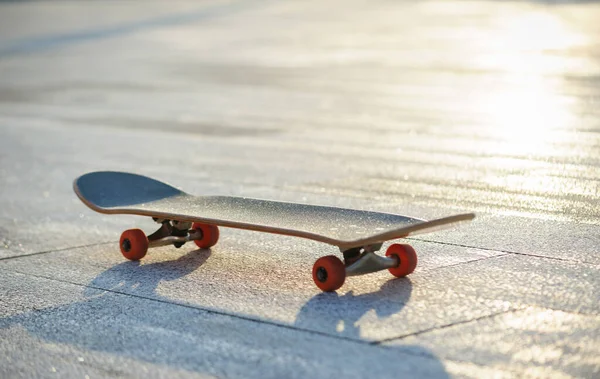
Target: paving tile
x,y
533,340
107,334
266,277
522,281
577,242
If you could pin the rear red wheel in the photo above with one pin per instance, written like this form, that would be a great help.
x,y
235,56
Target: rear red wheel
x,y
210,235
134,244
329,273
407,259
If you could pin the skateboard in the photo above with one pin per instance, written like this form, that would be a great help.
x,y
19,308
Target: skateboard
x,y
184,218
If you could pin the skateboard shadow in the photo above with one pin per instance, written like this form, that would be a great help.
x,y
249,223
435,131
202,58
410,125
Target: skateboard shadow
x,y
132,277
150,329
341,314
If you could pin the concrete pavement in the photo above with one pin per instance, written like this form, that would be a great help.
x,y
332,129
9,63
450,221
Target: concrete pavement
x,y
425,109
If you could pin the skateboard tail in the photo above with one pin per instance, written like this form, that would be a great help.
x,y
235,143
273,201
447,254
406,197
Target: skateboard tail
x,y
411,230
442,223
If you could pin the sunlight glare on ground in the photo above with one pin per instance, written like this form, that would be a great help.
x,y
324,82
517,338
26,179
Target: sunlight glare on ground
x,y
531,104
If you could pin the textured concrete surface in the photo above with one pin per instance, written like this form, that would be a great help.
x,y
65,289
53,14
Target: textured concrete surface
x,y
424,109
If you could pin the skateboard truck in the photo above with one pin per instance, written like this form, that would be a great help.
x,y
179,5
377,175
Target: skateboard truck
x,y
175,233
370,262
367,261
134,243
177,241
329,273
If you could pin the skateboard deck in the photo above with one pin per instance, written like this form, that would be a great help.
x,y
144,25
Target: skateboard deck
x,y
185,218
125,193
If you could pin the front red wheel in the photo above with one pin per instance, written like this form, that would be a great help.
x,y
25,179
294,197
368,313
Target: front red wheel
x,y
329,273
134,244
407,259
210,235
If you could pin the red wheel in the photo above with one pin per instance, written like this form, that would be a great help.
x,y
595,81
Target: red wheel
x,y
210,235
329,273
134,244
407,259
